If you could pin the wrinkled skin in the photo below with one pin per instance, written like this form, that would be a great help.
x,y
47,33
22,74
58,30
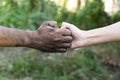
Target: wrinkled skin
x,y
50,38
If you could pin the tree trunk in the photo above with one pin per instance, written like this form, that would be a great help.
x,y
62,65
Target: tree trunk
x,y
78,4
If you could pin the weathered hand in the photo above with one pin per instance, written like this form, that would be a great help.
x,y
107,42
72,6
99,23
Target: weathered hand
x,y
78,35
50,38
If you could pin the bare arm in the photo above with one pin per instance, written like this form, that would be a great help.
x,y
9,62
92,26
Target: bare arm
x,y
105,34
95,36
12,37
48,38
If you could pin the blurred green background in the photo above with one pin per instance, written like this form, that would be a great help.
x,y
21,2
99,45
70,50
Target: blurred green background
x,y
98,62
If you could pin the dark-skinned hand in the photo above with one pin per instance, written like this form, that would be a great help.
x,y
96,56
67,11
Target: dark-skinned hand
x,y
49,38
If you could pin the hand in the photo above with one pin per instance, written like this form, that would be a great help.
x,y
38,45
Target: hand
x,y
50,38
78,35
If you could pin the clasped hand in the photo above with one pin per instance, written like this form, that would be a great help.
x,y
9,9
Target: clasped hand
x,y
50,38
69,36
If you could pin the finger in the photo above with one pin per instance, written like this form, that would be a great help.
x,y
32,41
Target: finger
x,y
65,32
64,26
56,50
69,26
67,39
64,45
61,50
49,23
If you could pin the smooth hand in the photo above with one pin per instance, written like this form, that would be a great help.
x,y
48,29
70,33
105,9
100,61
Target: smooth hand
x,y
78,35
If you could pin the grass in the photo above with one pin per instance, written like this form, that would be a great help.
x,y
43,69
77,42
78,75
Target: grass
x,y
33,65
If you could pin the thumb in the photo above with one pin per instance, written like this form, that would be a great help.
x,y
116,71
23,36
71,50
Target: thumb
x,y
64,25
69,26
52,24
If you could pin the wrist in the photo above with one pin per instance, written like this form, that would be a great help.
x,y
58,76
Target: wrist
x,y
85,38
93,37
89,38
21,38
28,38
33,39
82,40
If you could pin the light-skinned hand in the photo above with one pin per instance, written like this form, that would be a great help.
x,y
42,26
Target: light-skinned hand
x,y
77,34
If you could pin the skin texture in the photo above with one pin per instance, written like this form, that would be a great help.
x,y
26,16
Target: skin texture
x,y
78,35
95,36
48,38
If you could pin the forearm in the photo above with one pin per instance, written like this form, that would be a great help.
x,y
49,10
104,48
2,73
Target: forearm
x,y
102,35
12,37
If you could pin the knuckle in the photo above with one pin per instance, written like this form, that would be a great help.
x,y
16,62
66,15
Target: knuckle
x,y
67,44
51,30
57,39
64,30
57,32
49,23
71,38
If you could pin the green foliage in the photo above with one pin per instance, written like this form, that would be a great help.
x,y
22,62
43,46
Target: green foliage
x,y
91,16
29,14
26,13
3,78
83,65
116,17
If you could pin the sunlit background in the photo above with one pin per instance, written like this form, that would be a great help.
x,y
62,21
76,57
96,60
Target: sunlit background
x,y
111,6
97,62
